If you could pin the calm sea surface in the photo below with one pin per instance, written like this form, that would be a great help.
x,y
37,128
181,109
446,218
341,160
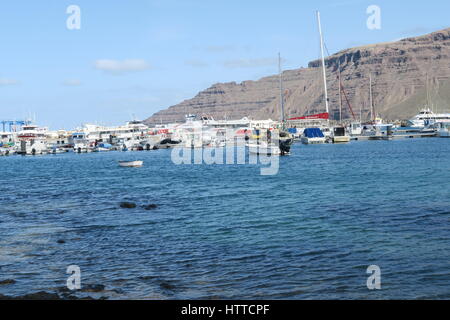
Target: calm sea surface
x,y
309,232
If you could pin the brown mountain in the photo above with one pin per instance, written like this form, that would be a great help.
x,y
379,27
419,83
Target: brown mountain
x,y
399,72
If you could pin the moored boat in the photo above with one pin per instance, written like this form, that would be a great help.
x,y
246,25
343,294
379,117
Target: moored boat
x,y
443,130
103,147
32,140
131,164
427,117
340,135
313,136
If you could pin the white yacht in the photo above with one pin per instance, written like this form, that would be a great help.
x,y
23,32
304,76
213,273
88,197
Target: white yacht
x,y
81,143
264,149
427,117
197,134
32,140
274,142
443,130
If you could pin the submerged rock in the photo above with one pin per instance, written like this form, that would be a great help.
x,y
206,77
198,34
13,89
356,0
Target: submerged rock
x,y
42,295
128,205
93,288
7,282
167,286
150,206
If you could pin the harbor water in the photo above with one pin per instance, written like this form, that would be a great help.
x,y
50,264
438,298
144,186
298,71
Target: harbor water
x,y
227,232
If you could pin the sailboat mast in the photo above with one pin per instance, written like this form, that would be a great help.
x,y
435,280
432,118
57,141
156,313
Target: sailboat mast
x,y
323,62
372,111
360,113
428,93
281,90
340,92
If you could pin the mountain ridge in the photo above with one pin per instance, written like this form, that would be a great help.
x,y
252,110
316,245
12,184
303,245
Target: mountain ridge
x,y
399,70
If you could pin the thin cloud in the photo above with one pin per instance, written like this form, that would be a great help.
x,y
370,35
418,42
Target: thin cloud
x,y
168,33
72,83
220,49
345,3
120,67
416,30
196,63
8,82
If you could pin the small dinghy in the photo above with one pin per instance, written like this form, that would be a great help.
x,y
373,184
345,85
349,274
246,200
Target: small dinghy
x,y
131,164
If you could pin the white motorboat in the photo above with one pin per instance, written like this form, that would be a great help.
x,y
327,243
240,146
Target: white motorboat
x,y
264,149
443,130
81,143
340,135
57,150
131,164
4,152
313,136
103,147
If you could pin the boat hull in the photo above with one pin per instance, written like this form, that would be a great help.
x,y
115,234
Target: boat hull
x,y
264,150
131,164
306,140
343,139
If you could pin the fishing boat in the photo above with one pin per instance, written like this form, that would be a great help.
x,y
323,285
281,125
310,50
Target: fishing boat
x,y
131,164
166,144
32,140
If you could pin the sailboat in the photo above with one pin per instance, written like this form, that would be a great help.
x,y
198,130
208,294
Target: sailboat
x,y
283,141
316,135
340,132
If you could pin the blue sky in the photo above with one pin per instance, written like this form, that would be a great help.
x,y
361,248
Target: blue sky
x,y
137,57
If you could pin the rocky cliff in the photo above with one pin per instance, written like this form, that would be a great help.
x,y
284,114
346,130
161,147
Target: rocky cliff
x,y
399,72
